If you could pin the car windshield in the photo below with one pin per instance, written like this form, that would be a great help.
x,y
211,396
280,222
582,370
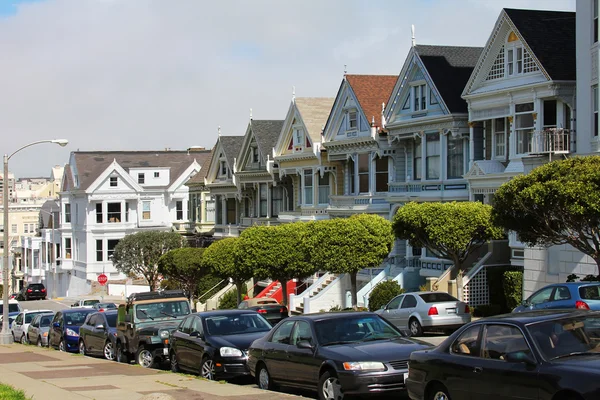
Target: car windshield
x,y
164,309
45,320
354,329
90,302
437,297
590,292
234,324
567,336
12,307
111,319
75,318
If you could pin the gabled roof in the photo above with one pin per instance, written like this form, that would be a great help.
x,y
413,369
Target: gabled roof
x,y
371,91
199,177
67,181
91,164
314,112
266,133
50,207
450,68
231,146
551,37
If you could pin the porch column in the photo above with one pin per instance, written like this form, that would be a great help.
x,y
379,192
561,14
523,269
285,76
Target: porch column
x,y
224,209
471,144
538,117
269,196
443,153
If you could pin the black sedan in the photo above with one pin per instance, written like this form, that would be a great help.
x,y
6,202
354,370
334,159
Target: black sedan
x,y
214,344
542,355
97,334
335,353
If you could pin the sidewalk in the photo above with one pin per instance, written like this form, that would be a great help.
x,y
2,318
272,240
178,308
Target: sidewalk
x,y
49,374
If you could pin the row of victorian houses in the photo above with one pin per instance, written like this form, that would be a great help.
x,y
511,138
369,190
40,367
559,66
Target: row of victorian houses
x,y
455,124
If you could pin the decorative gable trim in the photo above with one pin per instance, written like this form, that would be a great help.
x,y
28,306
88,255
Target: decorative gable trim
x,y
114,167
345,102
190,171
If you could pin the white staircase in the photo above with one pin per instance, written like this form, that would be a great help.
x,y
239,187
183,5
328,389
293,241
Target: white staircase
x,y
296,302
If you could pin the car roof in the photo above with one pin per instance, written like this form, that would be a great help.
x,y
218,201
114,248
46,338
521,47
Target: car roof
x,y
36,311
334,315
214,313
530,317
79,309
572,284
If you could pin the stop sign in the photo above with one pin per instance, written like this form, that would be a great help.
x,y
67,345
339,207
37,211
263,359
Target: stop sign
x,y
102,279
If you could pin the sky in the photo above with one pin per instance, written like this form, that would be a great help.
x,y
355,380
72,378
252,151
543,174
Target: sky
x,y
156,74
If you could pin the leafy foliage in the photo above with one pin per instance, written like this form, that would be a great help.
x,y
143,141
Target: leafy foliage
x,y
185,267
138,254
503,295
512,282
452,231
229,300
557,203
587,278
222,257
382,293
279,252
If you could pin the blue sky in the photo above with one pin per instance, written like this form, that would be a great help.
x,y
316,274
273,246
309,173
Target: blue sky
x,y
151,74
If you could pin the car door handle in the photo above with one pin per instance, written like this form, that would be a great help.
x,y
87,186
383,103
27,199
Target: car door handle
x,y
478,370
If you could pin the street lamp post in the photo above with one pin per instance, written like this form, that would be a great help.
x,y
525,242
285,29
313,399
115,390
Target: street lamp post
x,y
5,336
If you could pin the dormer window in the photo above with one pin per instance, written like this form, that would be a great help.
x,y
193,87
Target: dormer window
x,y
223,168
298,140
255,155
114,181
420,97
352,120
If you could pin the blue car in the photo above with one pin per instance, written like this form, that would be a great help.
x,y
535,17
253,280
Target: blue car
x,y
64,330
576,295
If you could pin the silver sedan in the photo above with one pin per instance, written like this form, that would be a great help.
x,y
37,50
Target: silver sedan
x,y
418,311
38,330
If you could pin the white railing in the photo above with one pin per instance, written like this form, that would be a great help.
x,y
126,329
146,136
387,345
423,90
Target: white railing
x,y
549,141
296,299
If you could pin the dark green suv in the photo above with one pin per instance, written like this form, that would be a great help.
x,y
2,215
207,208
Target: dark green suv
x,y
145,323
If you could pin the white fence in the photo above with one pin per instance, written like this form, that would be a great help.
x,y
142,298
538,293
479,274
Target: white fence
x,y
122,290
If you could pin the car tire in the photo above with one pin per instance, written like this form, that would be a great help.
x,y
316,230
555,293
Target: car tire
x,y
330,387
39,342
62,346
415,328
263,378
144,357
108,351
23,339
174,362
438,392
82,349
121,356
207,369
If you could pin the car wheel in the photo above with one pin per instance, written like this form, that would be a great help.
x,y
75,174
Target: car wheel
x,y
144,357
82,349
39,342
263,378
62,346
207,369
122,357
414,326
174,363
330,387
23,339
109,351
438,392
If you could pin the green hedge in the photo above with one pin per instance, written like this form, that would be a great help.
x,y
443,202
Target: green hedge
x,y
512,283
382,293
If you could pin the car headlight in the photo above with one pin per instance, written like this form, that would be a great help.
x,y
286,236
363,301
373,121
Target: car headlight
x,y
364,366
71,332
164,334
230,352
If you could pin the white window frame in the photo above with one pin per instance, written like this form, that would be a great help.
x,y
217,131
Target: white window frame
x,y
223,168
146,204
114,181
418,158
255,154
595,8
141,178
298,138
419,96
595,102
308,201
429,156
495,135
519,131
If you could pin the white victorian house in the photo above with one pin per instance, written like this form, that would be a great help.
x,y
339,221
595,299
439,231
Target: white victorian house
x,y
107,195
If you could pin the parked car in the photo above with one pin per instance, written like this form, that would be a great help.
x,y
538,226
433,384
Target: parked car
x,y
13,296
14,308
335,353
104,306
267,307
214,344
85,303
38,330
19,326
64,331
583,295
420,311
34,291
547,354
97,335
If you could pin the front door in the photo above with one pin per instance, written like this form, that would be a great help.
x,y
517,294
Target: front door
x,y
18,327
304,367
458,370
55,334
541,299
276,352
406,309
195,345
392,311
181,343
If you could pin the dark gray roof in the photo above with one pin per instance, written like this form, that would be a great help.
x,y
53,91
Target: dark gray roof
x,y
551,37
266,133
231,146
67,179
50,207
450,68
90,165
199,177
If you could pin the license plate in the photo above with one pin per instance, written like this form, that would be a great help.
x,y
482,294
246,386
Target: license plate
x,y
405,376
166,351
451,310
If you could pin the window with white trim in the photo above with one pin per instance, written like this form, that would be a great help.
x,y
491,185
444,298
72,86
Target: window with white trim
x,y
524,125
110,248
432,155
497,70
179,210
417,159
68,248
352,120
595,21
364,161
456,157
499,137
255,158
146,215
381,174
263,193
595,108
308,186
420,97
324,189
67,213
351,176
114,181
99,251
141,178
223,168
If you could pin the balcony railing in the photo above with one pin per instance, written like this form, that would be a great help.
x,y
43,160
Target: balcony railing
x,y
548,141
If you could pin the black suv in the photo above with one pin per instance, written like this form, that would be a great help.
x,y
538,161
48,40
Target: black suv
x,y
145,323
35,291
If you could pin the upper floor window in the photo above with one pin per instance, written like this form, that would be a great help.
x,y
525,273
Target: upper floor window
x,y
432,155
363,172
114,181
68,248
417,159
141,178
223,168
420,97
113,212
99,213
255,155
595,108
524,125
595,21
67,213
499,137
298,137
514,60
352,120
456,157
157,174
381,174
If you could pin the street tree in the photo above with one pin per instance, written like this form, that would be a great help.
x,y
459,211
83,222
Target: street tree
x,y
137,254
222,257
349,245
184,266
556,203
452,231
277,252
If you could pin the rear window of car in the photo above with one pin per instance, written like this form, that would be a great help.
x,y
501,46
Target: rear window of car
x,y
267,302
36,286
437,297
90,302
590,292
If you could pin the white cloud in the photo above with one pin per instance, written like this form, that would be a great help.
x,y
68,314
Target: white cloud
x,y
150,74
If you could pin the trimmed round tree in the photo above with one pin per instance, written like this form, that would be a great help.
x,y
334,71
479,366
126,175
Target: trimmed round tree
x,y
184,267
453,231
556,203
383,293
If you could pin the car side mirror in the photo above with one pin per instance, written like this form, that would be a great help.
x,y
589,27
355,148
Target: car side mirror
x,y
196,334
56,324
304,344
520,357
99,326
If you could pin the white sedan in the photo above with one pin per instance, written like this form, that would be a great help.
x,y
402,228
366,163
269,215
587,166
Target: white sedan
x,y
21,323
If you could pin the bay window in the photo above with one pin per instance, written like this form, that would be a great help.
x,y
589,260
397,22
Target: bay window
x,y
99,251
67,213
99,214
308,187
263,199
324,188
114,212
499,137
456,157
363,172
277,200
432,154
351,176
595,108
68,248
524,125
110,248
417,159
381,174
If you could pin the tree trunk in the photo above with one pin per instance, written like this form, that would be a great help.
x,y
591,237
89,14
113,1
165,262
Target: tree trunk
x,y
457,275
284,293
353,290
239,285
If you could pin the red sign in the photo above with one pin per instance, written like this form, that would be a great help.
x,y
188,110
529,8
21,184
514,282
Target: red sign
x,y
102,279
